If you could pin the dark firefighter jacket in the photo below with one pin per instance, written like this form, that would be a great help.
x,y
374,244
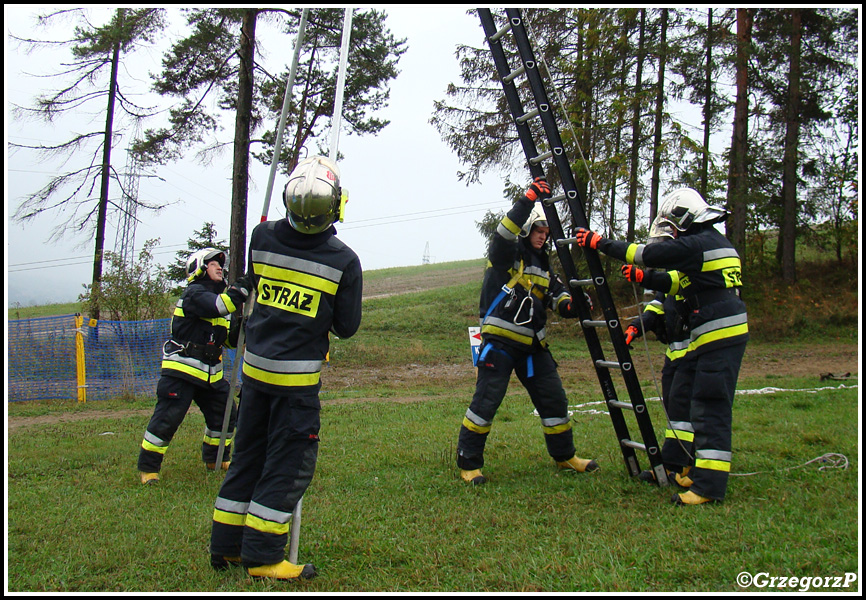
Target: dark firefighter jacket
x,y
199,330
707,276
306,285
518,287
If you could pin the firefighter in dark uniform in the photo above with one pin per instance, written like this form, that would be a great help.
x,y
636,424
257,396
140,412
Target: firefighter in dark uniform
x,y
517,291
192,368
710,282
662,317
308,283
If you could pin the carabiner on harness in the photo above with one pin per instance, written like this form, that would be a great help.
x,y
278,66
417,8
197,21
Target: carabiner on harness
x,y
177,348
520,308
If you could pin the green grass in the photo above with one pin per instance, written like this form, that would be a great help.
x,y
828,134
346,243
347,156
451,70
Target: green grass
x,y
387,512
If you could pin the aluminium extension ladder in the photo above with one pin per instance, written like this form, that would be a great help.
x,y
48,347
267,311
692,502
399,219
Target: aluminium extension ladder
x,y
528,69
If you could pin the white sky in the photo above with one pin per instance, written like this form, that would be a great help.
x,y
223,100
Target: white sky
x,y
396,180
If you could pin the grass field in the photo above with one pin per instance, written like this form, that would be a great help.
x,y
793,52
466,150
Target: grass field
x,y
386,511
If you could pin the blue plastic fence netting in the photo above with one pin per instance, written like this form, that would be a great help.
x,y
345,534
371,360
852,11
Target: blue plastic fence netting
x,y
121,358
42,358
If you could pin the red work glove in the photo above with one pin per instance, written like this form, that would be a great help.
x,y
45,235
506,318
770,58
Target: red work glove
x,y
632,273
630,334
538,189
587,238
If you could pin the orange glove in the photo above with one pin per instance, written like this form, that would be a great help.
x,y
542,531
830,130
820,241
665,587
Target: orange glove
x,y
630,334
632,273
587,238
539,188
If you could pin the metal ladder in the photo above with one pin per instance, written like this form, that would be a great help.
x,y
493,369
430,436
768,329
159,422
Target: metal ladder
x,y
528,69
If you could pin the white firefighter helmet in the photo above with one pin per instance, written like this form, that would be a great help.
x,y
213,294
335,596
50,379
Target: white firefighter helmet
x,y
536,218
680,210
312,195
197,262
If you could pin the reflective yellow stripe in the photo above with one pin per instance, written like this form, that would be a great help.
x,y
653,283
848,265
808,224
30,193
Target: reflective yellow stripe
x,y
494,330
476,428
686,436
153,448
713,465
304,279
281,379
721,263
266,526
510,225
212,441
197,373
556,429
719,334
229,518
630,252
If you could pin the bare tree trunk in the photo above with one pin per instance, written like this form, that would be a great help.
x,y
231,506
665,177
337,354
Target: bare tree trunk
x,y
737,174
655,180
96,283
708,107
790,161
241,163
635,129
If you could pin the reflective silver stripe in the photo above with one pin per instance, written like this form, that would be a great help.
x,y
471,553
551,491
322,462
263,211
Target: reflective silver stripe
x,y
713,455
527,331
537,272
638,255
231,506
282,366
477,420
554,421
720,253
717,324
268,514
560,298
682,426
221,306
149,437
505,233
298,264
194,363
212,433
541,334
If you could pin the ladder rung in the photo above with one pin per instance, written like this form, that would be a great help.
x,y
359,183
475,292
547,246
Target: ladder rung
x,y
608,364
531,114
580,282
505,29
632,444
565,241
554,199
514,74
620,404
540,157
588,323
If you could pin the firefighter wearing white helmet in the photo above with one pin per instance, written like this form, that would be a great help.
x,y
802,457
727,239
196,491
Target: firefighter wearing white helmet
x,y
308,283
517,291
705,269
192,368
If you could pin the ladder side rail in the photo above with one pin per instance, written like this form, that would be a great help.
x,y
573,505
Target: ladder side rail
x,y
530,151
578,214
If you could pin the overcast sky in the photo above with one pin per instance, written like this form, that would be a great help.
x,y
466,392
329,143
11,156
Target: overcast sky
x,y
404,192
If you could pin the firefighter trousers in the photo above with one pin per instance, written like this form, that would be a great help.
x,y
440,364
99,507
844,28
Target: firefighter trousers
x,y
678,447
276,447
710,380
173,399
537,371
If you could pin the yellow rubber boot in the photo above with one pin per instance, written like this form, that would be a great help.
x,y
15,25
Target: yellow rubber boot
x,y
683,479
212,466
581,465
690,499
149,478
474,477
283,570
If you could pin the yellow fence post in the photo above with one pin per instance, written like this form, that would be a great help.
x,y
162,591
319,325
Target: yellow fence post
x,y
79,358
